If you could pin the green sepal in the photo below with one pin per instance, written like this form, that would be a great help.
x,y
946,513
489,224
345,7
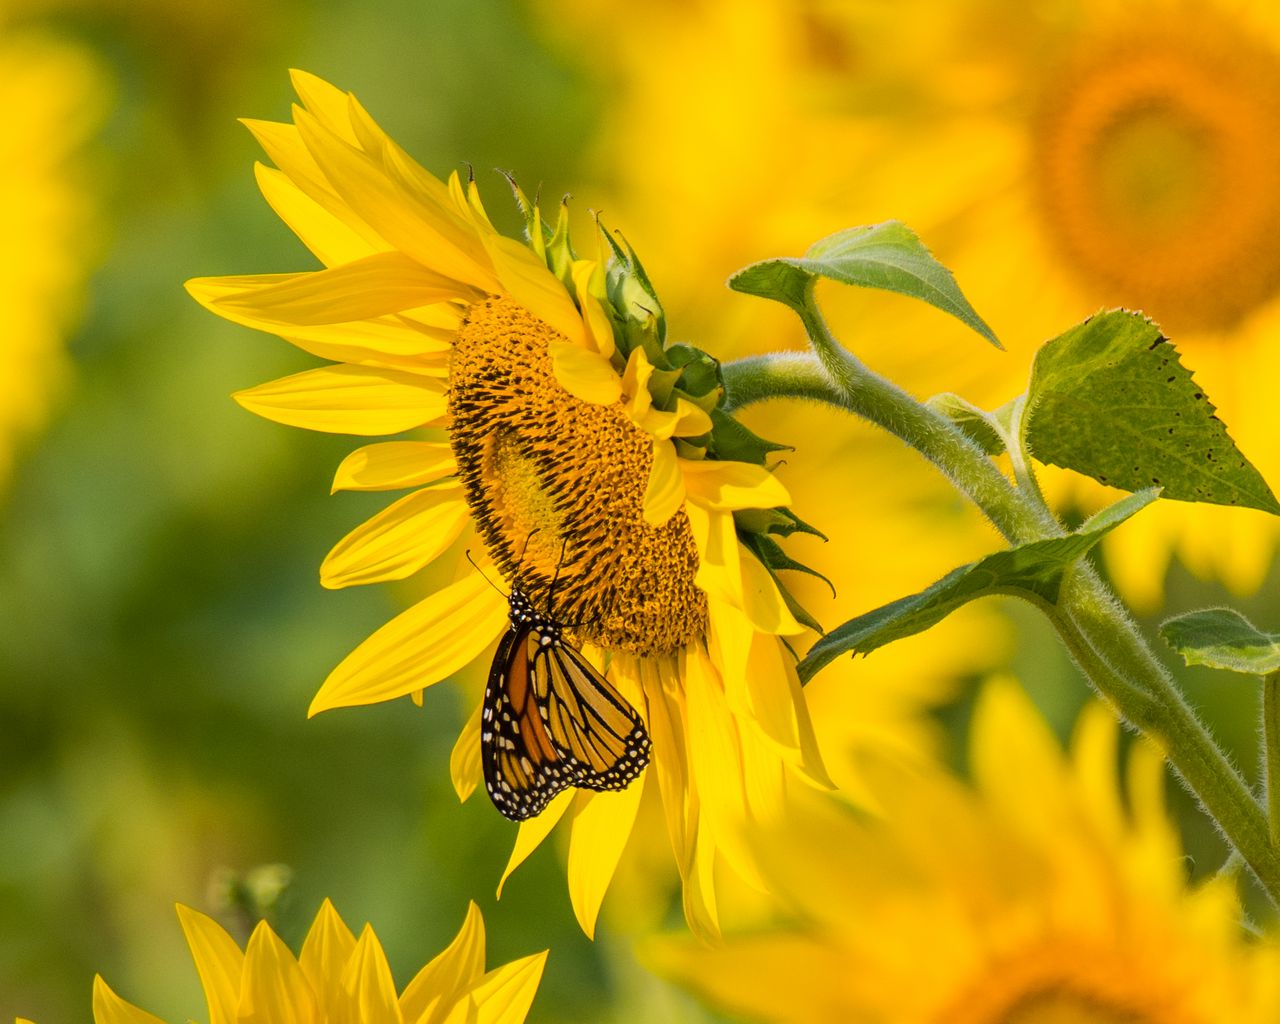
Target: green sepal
x,y
978,425
772,557
888,256
1111,399
699,372
633,298
1034,571
732,442
770,552
1223,638
781,522
552,245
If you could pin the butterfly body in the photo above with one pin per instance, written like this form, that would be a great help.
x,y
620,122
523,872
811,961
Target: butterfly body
x,y
550,720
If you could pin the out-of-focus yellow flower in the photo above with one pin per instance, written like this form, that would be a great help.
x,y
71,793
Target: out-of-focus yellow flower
x,y
1059,157
53,93
1041,895
338,977
576,481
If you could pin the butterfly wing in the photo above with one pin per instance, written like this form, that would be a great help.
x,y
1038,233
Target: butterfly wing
x,y
599,737
522,768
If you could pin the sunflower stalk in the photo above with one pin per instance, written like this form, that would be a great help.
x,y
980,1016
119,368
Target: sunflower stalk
x,y
1271,750
1095,627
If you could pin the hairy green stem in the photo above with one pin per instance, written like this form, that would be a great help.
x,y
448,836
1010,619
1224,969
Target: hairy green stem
x,y
1271,750
1096,629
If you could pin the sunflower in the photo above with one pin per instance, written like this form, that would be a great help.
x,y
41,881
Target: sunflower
x,y
1059,157
575,454
339,977
55,92
1042,895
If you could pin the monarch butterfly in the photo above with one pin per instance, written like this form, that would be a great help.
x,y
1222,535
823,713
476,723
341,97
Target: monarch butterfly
x,y
551,721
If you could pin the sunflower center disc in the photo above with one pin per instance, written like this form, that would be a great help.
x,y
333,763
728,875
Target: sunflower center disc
x,y
1157,158
556,486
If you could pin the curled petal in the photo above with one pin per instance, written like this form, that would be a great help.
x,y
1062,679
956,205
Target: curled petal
x,y
725,486
585,374
665,491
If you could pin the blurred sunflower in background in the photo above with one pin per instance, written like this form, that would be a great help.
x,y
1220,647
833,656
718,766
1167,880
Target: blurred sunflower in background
x,y
583,473
1058,157
1042,894
56,93
336,976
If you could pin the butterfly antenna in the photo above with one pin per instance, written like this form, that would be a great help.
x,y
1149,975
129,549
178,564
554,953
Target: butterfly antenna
x,y
551,593
477,568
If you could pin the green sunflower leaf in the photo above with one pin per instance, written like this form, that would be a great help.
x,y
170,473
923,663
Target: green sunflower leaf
x,y
1111,399
1223,638
977,424
888,256
1034,571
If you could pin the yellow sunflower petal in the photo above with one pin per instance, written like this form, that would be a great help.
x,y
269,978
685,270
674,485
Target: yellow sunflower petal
x,y
715,759
419,647
372,286
1094,756
329,104
370,989
778,704
725,486
393,465
666,722
533,831
109,1008
761,599
333,241
428,234
273,987
601,827
464,759
441,983
719,560
686,420
699,894
635,384
1008,730
284,147
598,334
348,400
585,374
665,492
504,995
526,279
403,538
326,951
411,341
219,962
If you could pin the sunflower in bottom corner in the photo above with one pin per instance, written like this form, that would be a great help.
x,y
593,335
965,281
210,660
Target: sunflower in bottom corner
x,y
634,526
339,977
1043,895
